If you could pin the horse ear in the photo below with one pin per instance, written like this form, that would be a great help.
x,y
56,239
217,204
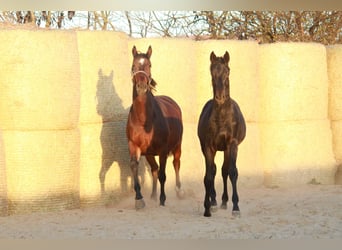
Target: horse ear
x,y
100,73
134,51
111,74
149,52
226,57
212,56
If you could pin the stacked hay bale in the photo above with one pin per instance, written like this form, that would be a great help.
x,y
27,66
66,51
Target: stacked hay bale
x,y
244,89
3,181
295,131
105,99
39,110
334,55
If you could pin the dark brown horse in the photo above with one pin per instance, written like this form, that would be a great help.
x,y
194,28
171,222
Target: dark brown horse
x,y
221,127
154,127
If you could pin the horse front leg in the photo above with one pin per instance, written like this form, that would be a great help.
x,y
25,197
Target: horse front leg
x,y
162,178
233,176
135,156
209,184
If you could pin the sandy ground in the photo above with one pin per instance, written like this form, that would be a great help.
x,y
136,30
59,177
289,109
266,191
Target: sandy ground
x,y
305,212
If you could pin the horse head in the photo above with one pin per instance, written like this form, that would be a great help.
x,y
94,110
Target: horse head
x,y
141,71
219,70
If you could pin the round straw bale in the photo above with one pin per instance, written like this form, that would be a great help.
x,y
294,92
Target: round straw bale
x,y
334,56
336,128
297,152
244,78
42,170
104,144
174,70
3,181
293,82
39,80
105,75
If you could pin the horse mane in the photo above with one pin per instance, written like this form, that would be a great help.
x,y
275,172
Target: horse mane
x,y
153,85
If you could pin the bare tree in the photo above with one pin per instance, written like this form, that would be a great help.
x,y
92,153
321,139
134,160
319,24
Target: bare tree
x,y
265,26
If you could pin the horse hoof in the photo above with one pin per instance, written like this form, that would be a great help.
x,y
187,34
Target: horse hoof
x,y
207,214
139,204
154,197
236,213
213,208
223,206
180,193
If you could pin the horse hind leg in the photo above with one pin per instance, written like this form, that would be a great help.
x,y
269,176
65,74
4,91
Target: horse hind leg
x,y
176,165
224,172
154,169
162,178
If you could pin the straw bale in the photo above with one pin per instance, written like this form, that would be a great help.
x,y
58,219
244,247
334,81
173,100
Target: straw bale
x,y
104,143
336,128
105,75
42,169
334,56
3,182
174,70
293,82
244,78
297,152
39,80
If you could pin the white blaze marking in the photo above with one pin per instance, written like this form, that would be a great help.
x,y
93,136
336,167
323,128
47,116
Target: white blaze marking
x,y
142,61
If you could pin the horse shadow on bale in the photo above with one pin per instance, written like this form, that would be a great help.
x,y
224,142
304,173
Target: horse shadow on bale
x,y
113,137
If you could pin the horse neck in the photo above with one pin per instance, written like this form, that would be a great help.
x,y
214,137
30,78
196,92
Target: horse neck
x,y
142,107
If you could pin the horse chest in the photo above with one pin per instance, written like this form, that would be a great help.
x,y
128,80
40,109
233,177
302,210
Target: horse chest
x,y
222,133
141,138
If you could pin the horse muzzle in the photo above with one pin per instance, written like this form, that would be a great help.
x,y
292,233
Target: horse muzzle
x,y
220,98
141,88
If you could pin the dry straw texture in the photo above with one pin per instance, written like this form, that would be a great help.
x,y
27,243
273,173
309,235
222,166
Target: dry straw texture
x,y
244,80
293,82
297,152
336,127
104,144
105,75
42,169
174,70
3,182
334,56
39,80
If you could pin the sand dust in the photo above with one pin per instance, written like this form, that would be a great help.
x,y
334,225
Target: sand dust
x,y
304,212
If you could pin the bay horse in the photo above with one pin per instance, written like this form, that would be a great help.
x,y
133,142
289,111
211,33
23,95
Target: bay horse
x,y
221,127
154,127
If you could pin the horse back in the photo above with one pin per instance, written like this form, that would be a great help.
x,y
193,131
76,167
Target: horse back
x,y
169,107
173,117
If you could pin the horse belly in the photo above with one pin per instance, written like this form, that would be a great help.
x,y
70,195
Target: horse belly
x,y
221,142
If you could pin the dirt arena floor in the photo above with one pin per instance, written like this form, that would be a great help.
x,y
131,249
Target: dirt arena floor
x,y
304,212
